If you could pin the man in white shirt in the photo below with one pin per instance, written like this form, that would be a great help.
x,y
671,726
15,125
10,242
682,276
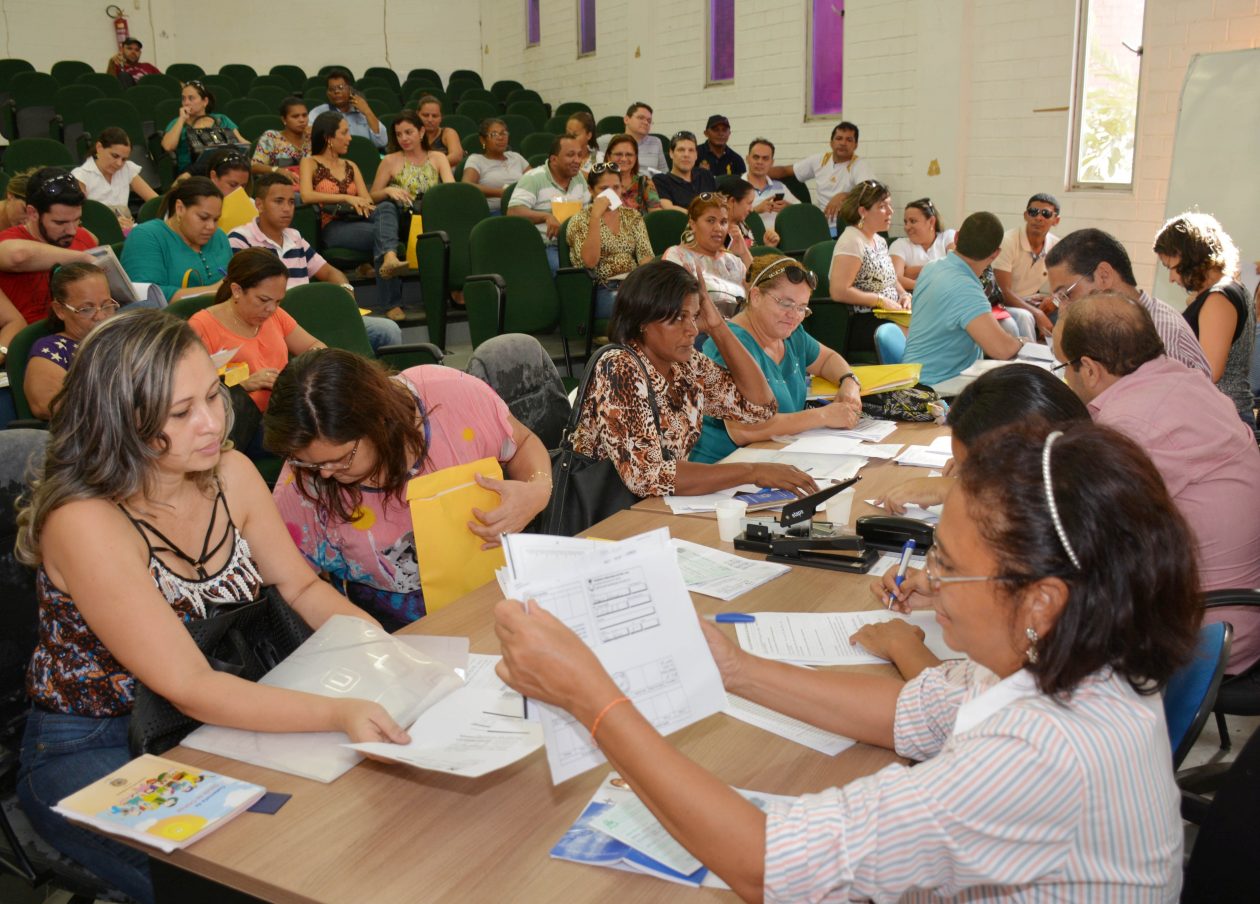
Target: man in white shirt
x,y
638,120
1020,268
772,195
559,179
834,171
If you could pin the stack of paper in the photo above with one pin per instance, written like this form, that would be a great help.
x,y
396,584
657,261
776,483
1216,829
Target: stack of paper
x,y
712,572
867,429
822,638
1036,353
627,601
840,445
786,727
690,505
935,455
825,465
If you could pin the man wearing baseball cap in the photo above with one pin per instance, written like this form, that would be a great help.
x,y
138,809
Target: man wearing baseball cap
x,y
125,65
714,155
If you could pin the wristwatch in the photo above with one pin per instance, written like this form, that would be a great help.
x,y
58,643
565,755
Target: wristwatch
x,y
849,376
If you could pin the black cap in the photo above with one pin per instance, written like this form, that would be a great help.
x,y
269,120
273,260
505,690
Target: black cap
x,y
135,41
717,119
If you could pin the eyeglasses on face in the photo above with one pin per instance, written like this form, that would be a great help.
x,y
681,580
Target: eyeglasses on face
x,y
932,571
497,133
337,466
1060,368
1064,294
91,310
1046,213
600,168
799,310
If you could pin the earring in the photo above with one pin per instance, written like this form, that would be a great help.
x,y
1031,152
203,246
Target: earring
x,y
1031,652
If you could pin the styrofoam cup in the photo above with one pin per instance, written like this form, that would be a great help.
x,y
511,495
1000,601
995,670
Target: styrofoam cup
x,y
840,506
729,513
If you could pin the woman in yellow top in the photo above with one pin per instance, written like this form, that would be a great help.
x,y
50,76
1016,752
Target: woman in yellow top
x,y
619,244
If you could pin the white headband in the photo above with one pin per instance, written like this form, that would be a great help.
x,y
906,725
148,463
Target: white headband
x,y
1054,508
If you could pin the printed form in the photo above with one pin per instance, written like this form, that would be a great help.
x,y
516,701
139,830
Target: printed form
x,y
628,603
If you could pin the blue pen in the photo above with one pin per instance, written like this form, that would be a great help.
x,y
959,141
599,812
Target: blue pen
x,y
733,618
906,552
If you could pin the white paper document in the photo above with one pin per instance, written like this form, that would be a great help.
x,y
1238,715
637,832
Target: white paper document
x,y
819,465
822,638
633,824
718,574
889,561
867,429
786,727
1035,353
628,602
476,730
934,455
689,505
929,515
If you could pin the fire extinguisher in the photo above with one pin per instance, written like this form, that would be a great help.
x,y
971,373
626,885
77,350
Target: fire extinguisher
x,y
121,33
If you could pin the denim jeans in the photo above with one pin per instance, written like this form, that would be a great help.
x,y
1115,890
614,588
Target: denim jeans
x,y
605,298
377,234
382,331
553,258
60,755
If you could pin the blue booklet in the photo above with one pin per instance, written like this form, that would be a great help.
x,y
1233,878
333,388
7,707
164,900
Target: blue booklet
x,y
766,499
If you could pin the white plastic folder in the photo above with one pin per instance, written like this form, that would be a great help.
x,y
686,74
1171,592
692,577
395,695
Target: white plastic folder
x,y
346,657
450,556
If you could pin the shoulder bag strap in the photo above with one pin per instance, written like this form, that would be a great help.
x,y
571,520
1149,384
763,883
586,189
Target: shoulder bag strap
x,y
566,441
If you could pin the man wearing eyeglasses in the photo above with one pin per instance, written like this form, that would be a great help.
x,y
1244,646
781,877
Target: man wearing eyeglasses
x,y
953,320
684,180
1090,260
50,237
353,107
1020,268
714,154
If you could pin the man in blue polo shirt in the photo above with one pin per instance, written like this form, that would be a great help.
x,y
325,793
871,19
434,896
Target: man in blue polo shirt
x,y
353,106
953,320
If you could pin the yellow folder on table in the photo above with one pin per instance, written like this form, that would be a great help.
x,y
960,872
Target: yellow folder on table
x,y
875,378
450,556
901,318
238,209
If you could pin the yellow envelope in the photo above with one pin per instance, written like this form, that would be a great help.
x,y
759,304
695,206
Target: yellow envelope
x,y
901,318
417,227
876,378
449,555
562,210
234,372
238,209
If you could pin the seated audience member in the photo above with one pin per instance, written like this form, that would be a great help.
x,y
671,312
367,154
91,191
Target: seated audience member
x,y
353,107
136,459
684,180
771,329
229,169
81,300
1006,395
495,167
835,172
438,137
125,65
660,310
281,150
50,236
11,323
638,191
348,216
1203,260
953,322
182,251
196,112
581,125
1020,268
1115,362
1090,260
1033,755
247,317
651,155
274,196
555,180
772,195
715,154
619,243
740,197
703,252
354,436
13,205
109,176
862,273
408,170
926,240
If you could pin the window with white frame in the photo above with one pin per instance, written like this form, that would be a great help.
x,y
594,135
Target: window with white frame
x,y
825,52
1105,96
533,24
721,49
586,27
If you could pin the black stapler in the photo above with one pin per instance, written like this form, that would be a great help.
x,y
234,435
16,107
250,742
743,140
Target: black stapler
x,y
796,539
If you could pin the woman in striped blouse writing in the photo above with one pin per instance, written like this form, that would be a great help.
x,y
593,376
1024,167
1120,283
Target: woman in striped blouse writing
x,y
1045,768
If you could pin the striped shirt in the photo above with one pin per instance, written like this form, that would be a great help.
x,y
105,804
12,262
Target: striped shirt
x,y
1180,342
302,260
1018,798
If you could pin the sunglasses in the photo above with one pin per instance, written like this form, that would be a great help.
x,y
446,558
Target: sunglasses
x,y
600,168
1044,213
63,182
196,83
792,269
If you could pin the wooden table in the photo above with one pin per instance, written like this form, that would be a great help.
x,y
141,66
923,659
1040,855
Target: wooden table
x,y
391,833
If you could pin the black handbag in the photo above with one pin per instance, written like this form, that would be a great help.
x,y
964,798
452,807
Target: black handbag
x,y
586,490
244,639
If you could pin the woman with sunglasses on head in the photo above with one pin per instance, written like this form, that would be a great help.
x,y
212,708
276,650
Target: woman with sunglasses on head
x,y
228,168
638,191
141,519
771,327
354,436
80,300
703,251
660,310
616,246
684,180
926,240
196,112
862,273
1044,766
495,167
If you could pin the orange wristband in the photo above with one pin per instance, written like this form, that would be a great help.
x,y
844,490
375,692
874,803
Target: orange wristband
x,y
603,712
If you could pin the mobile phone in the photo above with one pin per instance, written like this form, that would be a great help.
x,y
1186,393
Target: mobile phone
x,y
778,196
